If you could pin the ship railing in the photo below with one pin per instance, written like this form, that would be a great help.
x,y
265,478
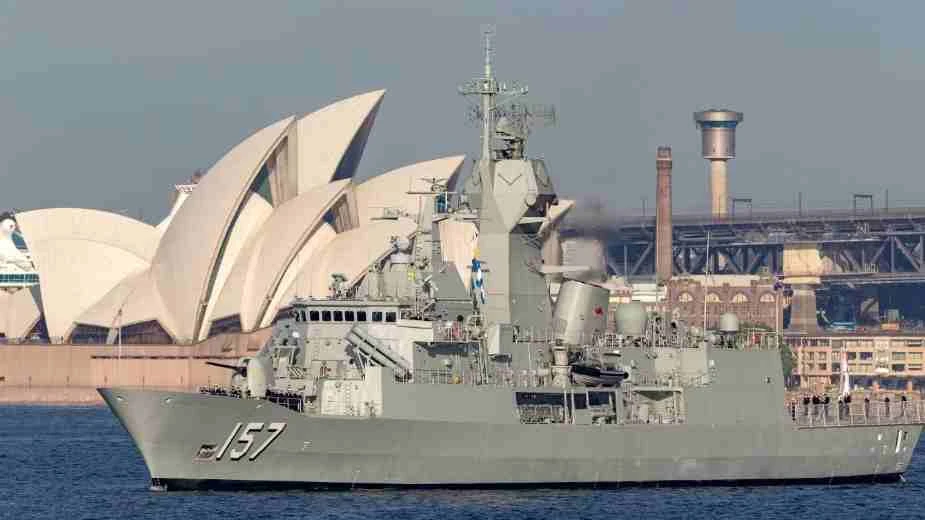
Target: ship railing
x,y
500,377
452,331
657,419
856,413
289,400
541,413
220,390
671,381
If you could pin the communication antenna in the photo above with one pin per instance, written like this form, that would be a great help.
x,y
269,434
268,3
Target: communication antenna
x,y
489,93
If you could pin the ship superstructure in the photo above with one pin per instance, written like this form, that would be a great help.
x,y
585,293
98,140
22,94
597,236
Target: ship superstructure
x,y
428,373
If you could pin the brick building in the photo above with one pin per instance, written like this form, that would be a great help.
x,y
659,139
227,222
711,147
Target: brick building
x,y
751,298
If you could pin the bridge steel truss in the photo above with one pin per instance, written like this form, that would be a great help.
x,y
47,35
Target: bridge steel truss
x,y
858,247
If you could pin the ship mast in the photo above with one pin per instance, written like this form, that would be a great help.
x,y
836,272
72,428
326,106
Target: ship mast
x,y
487,90
487,93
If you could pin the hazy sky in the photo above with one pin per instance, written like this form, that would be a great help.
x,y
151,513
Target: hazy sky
x,y
106,104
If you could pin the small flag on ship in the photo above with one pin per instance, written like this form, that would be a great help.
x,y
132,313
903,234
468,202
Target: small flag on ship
x,y
477,278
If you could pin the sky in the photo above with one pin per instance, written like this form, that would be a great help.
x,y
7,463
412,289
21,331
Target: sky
x,y
108,103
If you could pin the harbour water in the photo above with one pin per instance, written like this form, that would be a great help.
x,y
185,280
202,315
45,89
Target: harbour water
x,y
78,463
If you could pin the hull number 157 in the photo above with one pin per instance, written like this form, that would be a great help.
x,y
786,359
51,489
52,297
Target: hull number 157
x,y
241,444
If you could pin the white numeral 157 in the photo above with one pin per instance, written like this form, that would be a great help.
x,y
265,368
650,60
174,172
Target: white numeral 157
x,y
246,440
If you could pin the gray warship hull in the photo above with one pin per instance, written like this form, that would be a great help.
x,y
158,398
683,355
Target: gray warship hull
x,y
170,430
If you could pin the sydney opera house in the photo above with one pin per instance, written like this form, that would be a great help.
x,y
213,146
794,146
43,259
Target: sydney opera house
x,y
274,218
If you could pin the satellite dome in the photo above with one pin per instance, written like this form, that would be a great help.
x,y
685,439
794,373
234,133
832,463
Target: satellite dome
x,y
728,322
630,319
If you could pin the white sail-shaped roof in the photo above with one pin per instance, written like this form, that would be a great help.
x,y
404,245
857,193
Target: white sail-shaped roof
x,y
138,300
260,268
330,141
350,253
191,251
21,311
253,215
80,255
390,190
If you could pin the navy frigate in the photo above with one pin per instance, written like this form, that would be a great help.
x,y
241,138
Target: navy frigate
x,y
432,374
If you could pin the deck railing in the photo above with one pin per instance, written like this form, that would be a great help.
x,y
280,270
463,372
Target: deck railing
x,y
857,413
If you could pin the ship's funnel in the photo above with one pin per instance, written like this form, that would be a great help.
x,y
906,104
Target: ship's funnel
x,y
581,312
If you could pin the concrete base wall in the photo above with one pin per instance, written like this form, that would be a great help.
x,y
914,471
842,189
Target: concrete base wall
x,y
70,374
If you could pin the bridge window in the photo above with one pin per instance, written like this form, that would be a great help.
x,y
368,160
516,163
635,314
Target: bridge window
x,y
338,316
325,315
685,297
314,315
361,315
377,316
713,298
348,315
766,298
740,298
390,317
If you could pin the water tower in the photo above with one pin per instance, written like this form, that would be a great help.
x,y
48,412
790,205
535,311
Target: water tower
x,y
718,132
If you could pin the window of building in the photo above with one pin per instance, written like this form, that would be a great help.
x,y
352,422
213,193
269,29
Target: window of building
x,y
338,315
313,315
685,297
348,315
823,366
377,316
898,356
914,343
713,298
808,355
915,356
897,367
390,317
852,355
325,315
823,356
740,298
866,367
914,366
867,356
836,367
766,298
361,315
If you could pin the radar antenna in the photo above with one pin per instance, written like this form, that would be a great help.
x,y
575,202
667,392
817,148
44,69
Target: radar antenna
x,y
489,91
508,120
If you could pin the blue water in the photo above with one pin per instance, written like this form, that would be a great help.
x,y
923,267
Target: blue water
x,y
78,463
